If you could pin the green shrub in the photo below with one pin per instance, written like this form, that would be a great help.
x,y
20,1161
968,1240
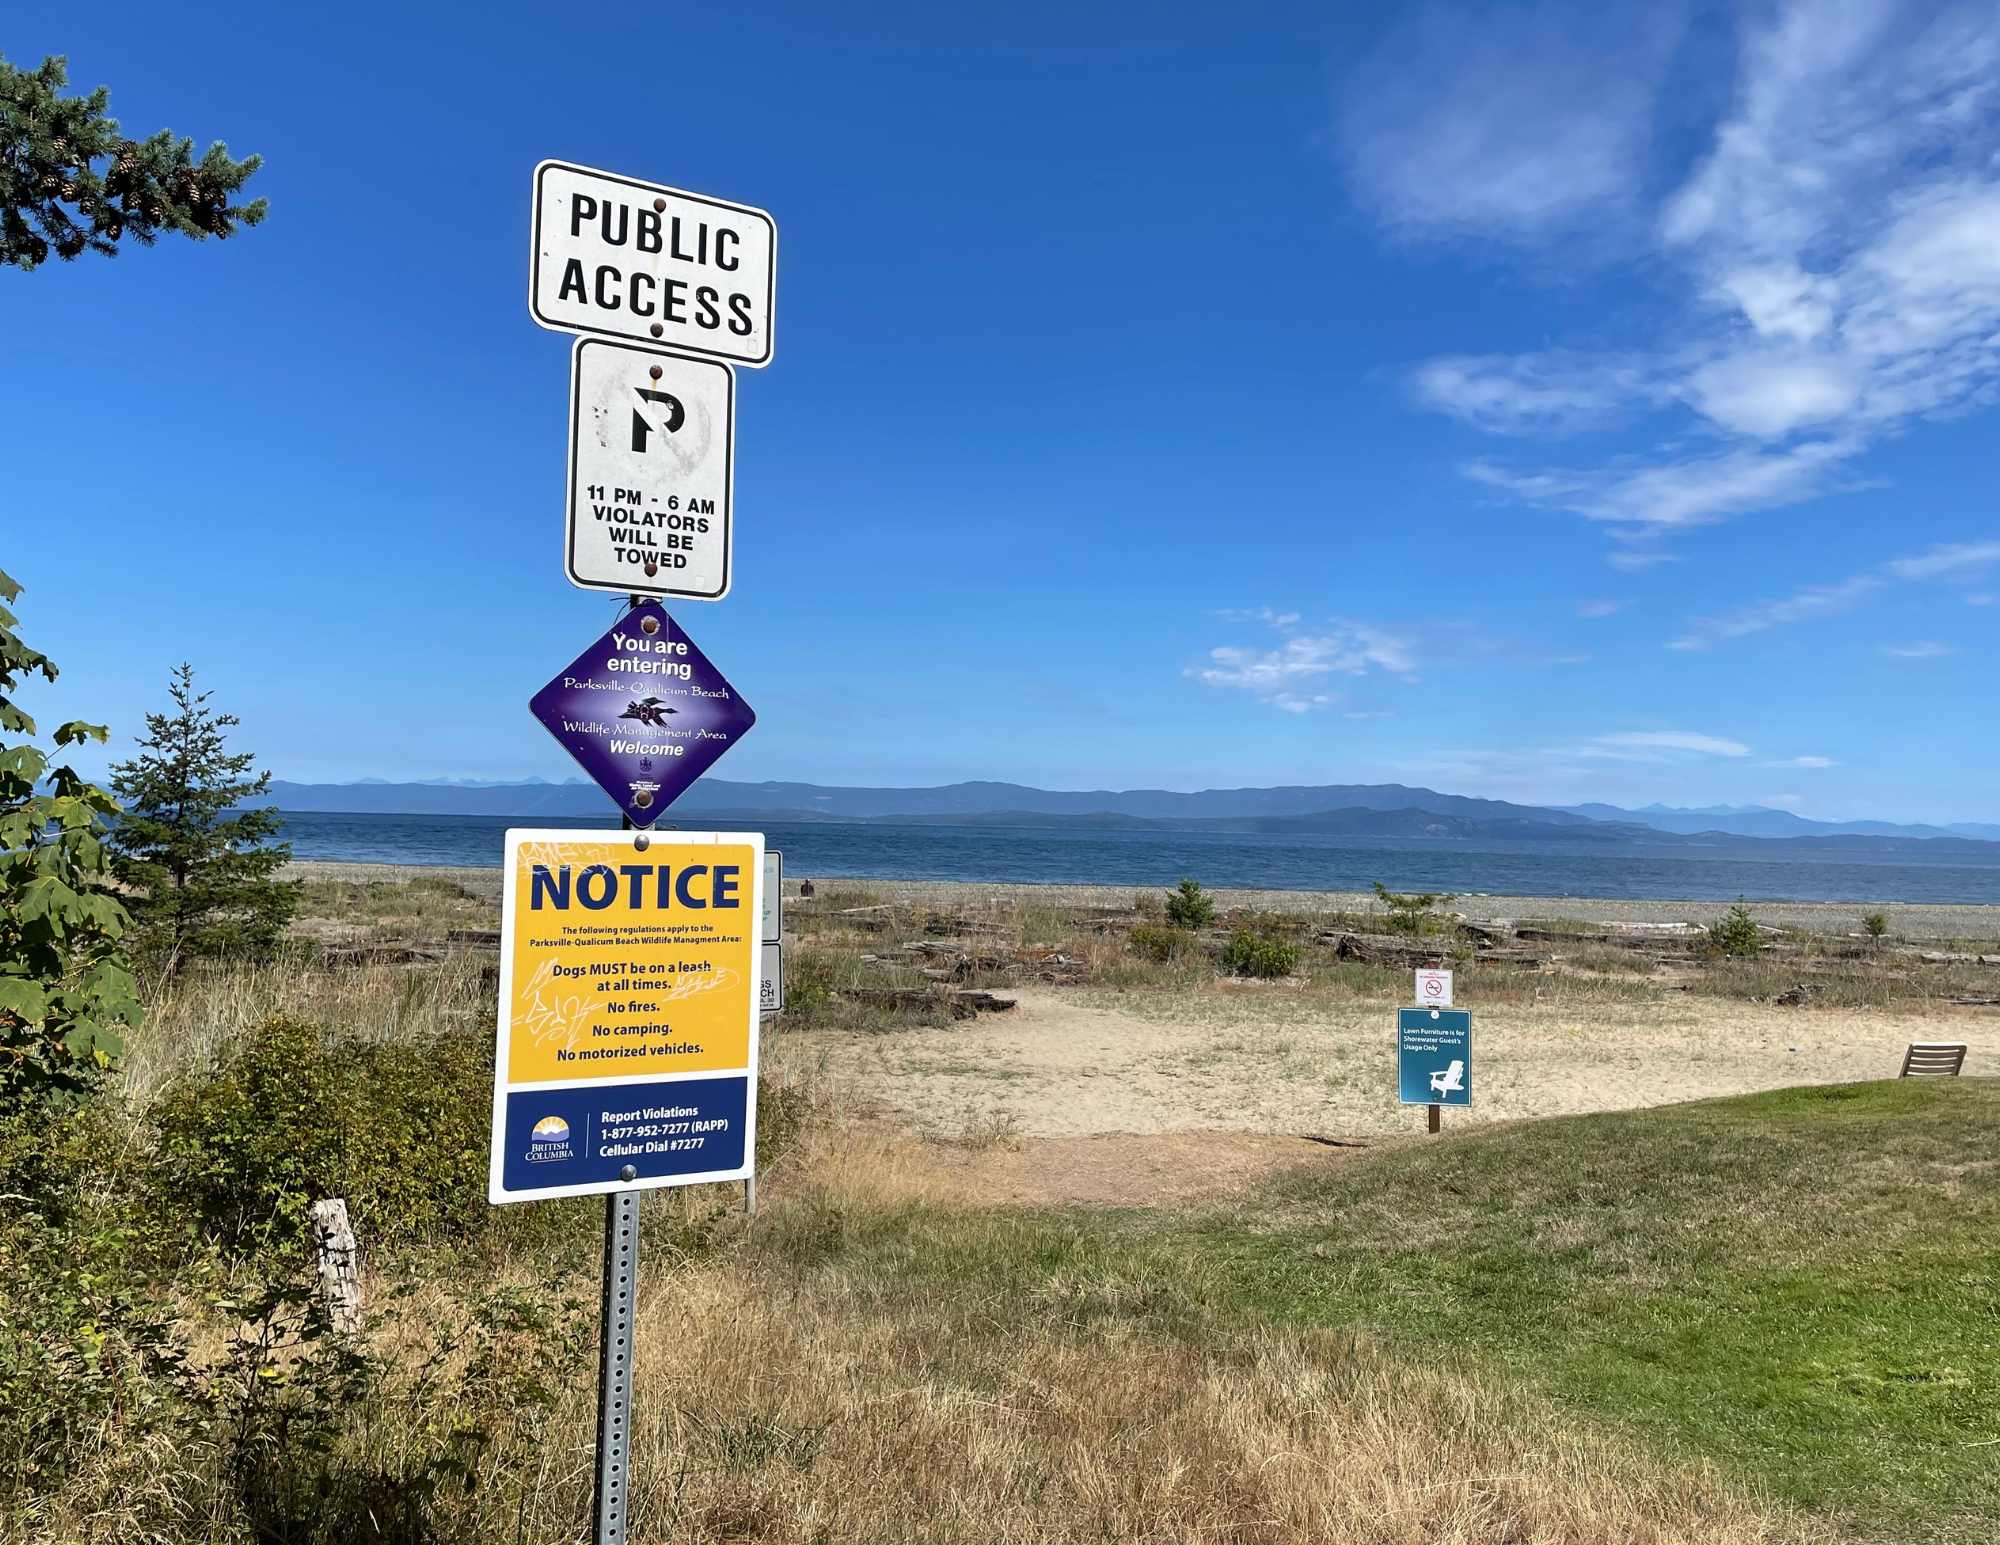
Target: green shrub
x,y
1875,924
1415,913
86,1341
321,1439
1259,954
809,984
1155,941
1736,935
1189,906
290,1115
783,1108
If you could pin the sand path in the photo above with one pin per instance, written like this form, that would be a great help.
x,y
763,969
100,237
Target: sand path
x,y
1078,1064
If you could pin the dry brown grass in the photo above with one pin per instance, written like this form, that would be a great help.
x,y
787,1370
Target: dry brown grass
x,y
787,1405
191,1017
910,1425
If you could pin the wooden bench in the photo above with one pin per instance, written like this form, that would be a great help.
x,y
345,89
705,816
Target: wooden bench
x,y
1933,1059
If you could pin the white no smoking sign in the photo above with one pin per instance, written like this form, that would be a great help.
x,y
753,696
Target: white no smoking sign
x,y
1434,989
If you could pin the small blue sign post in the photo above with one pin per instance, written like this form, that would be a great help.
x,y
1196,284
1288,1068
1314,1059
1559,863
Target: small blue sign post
x,y
1434,1058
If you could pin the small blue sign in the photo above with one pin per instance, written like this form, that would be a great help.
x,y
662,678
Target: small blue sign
x,y
1434,1056
568,1137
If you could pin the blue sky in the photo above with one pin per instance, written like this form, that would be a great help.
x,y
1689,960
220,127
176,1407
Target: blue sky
x,y
1522,400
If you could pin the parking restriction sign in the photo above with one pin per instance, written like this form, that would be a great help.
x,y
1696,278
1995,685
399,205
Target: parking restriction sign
x,y
652,452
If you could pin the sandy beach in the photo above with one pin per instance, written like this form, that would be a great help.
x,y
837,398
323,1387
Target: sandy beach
x,y
1294,1060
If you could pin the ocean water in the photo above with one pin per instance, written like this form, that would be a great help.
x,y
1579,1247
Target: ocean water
x,y
1047,856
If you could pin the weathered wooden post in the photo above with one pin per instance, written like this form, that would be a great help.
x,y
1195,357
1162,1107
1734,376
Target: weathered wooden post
x,y
339,1260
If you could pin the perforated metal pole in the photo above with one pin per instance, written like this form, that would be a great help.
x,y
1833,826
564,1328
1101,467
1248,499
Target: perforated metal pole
x,y
614,1367
614,1350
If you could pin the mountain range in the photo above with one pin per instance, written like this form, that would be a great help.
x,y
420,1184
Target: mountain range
x,y
1380,809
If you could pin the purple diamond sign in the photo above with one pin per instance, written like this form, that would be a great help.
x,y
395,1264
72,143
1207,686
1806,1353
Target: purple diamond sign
x,y
643,712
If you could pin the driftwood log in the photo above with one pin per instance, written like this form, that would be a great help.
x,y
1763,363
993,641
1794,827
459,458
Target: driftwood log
x,y
960,1005
379,955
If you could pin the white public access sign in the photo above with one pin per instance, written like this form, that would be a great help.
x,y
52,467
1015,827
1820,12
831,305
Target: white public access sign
x,y
652,451
639,260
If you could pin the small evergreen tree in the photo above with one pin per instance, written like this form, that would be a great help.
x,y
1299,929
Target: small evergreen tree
x,y
1736,934
65,991
54,198
1412,914
203,872
1190,906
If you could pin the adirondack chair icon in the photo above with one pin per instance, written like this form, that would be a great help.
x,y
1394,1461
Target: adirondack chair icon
x,y
1450,1081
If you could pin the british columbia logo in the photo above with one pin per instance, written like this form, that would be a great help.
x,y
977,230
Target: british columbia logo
x,y
549,1140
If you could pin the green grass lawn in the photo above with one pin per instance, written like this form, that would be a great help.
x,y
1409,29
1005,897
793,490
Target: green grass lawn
x,y
1800,1287
1803,1286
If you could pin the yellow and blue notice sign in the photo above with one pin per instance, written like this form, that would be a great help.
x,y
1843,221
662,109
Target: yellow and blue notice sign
x,y
1434,1056
628,1012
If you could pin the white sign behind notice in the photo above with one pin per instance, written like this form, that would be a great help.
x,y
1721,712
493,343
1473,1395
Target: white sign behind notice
x,y
1434,989
771,983
774,896
652,450
640,260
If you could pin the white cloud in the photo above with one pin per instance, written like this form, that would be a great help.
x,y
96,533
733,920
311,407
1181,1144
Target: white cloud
x,y
1781,300
1288,676
1631,560
1800,606
1534,393
1666,740
1666,496
1772,392
1519,123
1836,248
1948,560
1595,609
1801,761
1284,622
1923,649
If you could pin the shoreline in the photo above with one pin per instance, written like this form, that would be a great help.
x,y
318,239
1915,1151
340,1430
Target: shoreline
x,y
1926,919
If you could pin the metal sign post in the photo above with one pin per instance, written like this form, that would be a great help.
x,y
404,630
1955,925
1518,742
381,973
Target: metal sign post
x,y
631,980
614,1365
